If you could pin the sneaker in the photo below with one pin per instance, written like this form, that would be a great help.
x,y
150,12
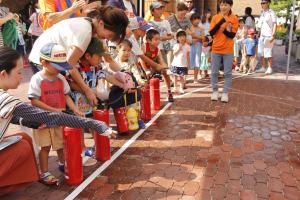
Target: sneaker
x,y
214,96
224,97
269,71
261,70
237,68
181,91
90,152
170,97
141,124
61,168
250,72
48,179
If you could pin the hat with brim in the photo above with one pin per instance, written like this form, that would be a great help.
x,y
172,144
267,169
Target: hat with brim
x,y
166,1
140,23
156,5
96,46
56,55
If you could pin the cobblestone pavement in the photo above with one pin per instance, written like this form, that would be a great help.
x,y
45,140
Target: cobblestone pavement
x,y
198,149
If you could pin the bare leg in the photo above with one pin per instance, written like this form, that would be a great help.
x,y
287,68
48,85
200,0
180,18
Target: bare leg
x,y
196,71
60,154
43,158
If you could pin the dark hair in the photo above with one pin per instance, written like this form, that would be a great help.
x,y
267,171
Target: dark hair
x,y
180,33
248,12
124,43
182,7
151,33
230,2
195,16
241,20
203,20
8,58
114,19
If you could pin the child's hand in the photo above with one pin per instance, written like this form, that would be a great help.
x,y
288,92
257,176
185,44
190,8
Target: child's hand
x,y
78,113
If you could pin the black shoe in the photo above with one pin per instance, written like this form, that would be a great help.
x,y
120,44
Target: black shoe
x,y
170,97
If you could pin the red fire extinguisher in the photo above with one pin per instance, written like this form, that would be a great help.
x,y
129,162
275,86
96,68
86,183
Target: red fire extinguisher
x,y
155,93
121,120
72,152
146,104
102,143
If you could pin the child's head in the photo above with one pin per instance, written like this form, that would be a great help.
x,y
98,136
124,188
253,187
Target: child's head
x,y
205,41
195,19
251,33
94,52
181,36
153,37
11,64
156,9
241,23
54,59
139,27
124,50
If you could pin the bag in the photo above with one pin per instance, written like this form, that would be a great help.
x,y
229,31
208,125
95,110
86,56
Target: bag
x,y
132,114
10,34
82,103
102,90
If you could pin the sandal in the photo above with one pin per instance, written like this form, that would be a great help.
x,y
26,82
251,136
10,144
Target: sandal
x,y
48,179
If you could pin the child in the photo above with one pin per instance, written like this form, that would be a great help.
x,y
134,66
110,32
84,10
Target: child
x,y
181,61
250,50
152,52
205,57
139,29
21,30
164,28
127,63
196,47
50,91
238,42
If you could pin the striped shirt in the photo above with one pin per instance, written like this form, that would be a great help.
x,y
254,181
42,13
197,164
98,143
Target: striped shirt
x,y
3,12
12,110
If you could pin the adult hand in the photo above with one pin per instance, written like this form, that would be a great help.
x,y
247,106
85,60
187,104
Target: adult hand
x,y
78,4
229,27
78,113
91,96
91,7
272,39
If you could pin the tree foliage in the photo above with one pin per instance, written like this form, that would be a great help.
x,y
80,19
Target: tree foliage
x,y
283,8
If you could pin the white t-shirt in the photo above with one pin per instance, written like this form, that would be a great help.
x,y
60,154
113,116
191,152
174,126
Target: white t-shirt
x,y
136,47
67,33
266,22
164,28
35,85
181,59
250,22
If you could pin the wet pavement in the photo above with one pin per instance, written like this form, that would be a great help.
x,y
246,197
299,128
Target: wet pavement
x,y
198,149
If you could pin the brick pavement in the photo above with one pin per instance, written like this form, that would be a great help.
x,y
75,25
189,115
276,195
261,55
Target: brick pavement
x,y
198,149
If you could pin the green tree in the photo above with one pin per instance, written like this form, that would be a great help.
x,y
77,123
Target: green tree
x,y
283,8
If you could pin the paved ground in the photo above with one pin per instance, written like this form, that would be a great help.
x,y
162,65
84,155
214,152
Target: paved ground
x,y
198,149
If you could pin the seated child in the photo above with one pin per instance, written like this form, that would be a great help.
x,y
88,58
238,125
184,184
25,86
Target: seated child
x,y
50,91
152,51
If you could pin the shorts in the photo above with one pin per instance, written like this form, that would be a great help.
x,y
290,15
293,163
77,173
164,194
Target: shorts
x,y
49,137
265,47
179,71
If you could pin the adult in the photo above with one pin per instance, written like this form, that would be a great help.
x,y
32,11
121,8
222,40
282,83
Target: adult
x,y
75,34
165,14
179,19
268,25
223,29
54,11
249,19
5,16
18,166
191,8
127,5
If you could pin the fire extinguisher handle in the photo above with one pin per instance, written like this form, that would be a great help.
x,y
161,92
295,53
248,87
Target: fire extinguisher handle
x,y
110,133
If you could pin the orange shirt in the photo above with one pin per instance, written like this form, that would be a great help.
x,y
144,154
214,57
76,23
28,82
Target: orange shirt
x,y
221,43
49,6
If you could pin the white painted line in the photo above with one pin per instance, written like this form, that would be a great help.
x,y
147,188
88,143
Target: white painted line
x,y
96,173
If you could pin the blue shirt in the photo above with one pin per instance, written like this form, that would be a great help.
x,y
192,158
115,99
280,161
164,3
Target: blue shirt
x,y
251,45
